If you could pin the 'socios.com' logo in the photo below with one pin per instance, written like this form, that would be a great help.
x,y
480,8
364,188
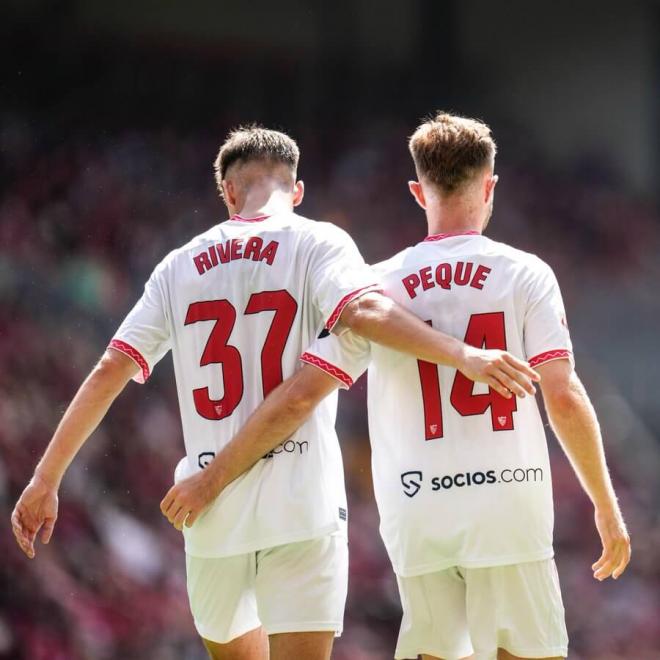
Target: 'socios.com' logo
x,y
413,479
288,447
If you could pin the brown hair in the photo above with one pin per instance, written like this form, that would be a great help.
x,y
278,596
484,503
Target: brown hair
x,y
252,143
449,150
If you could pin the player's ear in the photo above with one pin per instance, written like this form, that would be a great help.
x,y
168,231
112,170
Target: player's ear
x,y
298,193
416,191
489,188
229,193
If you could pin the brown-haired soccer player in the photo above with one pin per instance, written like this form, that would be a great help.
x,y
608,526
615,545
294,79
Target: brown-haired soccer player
x,y
237,306
461,473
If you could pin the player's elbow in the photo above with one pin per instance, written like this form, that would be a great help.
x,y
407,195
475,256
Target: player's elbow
x,y
301,393
563,397
366,310
112,361
299,401
113,369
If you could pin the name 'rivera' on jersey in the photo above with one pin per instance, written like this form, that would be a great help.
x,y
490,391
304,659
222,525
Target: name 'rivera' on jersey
x,y
233,249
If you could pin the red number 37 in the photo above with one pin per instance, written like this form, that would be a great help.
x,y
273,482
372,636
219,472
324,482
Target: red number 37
x,y
219,351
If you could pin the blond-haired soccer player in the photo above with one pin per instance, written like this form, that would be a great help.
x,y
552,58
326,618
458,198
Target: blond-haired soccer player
x,y
461,473
237,306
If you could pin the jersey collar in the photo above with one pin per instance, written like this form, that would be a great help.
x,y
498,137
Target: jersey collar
x,y
439,237
240,218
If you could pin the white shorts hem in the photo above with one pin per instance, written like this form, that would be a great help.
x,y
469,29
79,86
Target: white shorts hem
x,y
446,655
205,633
538,652
306,626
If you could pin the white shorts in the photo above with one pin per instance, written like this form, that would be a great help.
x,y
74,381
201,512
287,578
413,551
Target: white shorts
x,y
299,587
454,613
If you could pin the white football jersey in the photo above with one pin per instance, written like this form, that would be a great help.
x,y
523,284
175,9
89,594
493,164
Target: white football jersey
x,y
237,306
461,474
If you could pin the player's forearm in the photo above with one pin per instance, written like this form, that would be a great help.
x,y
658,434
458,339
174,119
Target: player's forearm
x,y
379,319
575,424
84,414
285,409
269,426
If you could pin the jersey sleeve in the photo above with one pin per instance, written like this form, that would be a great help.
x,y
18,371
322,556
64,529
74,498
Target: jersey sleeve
x,y
338,274
144,336
546,332
344,357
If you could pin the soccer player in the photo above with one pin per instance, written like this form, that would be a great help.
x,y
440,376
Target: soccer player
x,y
236,306
461,473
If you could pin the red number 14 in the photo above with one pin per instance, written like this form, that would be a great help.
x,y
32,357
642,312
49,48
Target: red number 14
x,y
483,331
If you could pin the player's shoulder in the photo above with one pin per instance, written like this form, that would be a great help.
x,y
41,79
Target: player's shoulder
x,y
169,267
297,226
318,237
525,261
321,230
225,231
394,263
195,244
304,236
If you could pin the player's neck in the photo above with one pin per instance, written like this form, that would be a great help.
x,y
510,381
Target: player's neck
x,y
266,202
453,224
454,215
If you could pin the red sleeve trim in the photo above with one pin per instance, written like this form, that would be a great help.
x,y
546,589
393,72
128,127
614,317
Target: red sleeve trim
x,y
334,317
556,354
134,354
330,369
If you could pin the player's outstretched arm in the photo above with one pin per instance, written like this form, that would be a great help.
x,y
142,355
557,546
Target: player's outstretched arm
x,y
576,426
283,411
36,508
381,320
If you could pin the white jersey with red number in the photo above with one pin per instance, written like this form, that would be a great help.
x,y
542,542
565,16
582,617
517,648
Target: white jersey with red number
x,y
237,306
461,474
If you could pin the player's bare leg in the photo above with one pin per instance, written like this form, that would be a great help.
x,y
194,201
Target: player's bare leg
x,y
252,645
425,656
302,646
505,655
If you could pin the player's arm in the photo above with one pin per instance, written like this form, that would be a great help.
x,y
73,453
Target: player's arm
x,y
575,424
285,409
36,508
379,319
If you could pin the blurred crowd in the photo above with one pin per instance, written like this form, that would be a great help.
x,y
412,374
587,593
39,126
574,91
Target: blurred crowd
x,y
83,221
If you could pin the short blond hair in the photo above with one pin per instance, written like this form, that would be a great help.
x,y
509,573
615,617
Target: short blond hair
x,y
449,150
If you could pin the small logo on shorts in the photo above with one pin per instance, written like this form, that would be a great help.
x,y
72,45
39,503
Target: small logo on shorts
x,y
342,514
412,482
